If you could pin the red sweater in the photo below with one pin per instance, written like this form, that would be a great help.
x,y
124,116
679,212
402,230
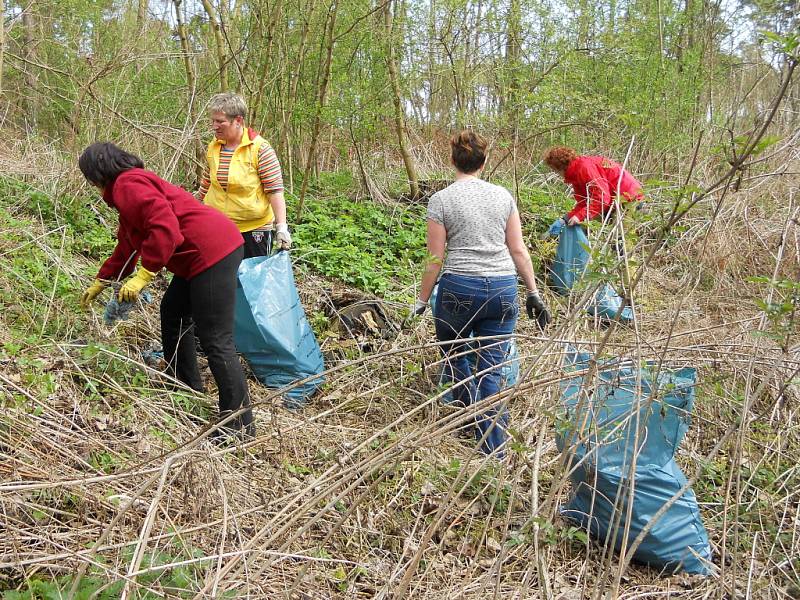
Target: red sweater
x,y
595,181
164,226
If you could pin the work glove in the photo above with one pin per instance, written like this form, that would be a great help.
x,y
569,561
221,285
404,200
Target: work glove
x,y
129,292
537,310
282,236
92,292
419,308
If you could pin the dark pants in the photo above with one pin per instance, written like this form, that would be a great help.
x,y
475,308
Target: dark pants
x,y
478,306
257,243
203,306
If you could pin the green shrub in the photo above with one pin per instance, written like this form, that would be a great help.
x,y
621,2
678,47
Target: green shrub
x,y
361,243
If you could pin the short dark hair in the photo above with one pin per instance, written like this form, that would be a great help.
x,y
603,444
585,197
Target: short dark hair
x,y
468,150
102,162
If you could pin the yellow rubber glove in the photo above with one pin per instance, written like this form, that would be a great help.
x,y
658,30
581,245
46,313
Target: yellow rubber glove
x,y
92,292
129,292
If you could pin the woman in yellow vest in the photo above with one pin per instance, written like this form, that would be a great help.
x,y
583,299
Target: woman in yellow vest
x,y
243,179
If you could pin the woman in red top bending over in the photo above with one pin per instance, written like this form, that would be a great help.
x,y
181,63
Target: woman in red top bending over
x,y
595,181
164,226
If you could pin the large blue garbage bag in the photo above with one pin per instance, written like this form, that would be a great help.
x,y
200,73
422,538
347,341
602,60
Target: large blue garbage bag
x,y
509,372
607,303
601,429
271,330
572,258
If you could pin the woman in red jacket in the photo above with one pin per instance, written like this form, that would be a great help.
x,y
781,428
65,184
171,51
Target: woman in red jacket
x,y
164,226
595,182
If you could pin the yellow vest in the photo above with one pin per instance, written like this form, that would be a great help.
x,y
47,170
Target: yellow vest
x,y
245,201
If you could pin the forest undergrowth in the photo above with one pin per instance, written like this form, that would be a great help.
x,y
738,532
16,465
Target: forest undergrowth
x,y
110,489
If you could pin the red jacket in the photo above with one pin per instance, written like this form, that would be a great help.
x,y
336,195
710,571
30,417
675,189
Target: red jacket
x,y
165,226
595,181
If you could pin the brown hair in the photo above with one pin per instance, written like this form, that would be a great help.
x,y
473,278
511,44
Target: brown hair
x,y
559,157
468,150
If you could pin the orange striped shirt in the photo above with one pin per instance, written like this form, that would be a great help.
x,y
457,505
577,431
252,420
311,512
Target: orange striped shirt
x,y
269,171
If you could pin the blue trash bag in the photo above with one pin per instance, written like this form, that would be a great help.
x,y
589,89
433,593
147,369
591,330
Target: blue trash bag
x,y
604,453
607,303
121,311
572,257
271,330
509,372
557,227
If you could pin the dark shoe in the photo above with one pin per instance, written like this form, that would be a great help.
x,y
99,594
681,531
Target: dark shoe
x,y
232,432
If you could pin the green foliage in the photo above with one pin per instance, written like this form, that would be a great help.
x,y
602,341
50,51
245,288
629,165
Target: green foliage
x,y
85,233
181,581
786,44
781,311
44,291
539,207
362,244
485,484
549,533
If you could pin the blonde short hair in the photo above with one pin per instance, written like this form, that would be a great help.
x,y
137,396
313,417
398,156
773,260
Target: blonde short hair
x,y
230,103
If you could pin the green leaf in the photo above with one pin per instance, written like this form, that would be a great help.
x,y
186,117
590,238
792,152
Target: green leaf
x,y
764,143
581,536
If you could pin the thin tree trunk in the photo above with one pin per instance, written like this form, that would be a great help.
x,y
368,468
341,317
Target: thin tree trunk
x,y
191,82
29,52
269,64
291,101
584,20
509,100
432,62
399,120
2,40
477,44
214,20
612,15
141,14
322,97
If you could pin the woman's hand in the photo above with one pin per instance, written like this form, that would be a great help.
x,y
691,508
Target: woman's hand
x,y
573,221
92,292
129,292
282,236
537,310
419,308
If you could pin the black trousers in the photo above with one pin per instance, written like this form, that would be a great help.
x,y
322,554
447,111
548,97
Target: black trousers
x,y
257,243
203,306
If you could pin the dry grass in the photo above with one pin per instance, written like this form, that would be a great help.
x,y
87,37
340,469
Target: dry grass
x,y
369,492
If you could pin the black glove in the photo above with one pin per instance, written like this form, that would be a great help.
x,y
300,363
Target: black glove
x,y
537,310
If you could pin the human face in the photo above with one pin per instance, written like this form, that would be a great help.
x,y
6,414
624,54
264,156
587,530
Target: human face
x,y
225,129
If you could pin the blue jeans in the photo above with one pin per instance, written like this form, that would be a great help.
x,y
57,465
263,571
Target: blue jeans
x,y
477,306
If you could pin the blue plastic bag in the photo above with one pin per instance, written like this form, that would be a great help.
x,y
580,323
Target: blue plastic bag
x,y
607,303
601,430
121,311
509,372
271,330
572,257
557,227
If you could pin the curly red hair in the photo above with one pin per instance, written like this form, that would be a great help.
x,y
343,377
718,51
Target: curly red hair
x,y
559,157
